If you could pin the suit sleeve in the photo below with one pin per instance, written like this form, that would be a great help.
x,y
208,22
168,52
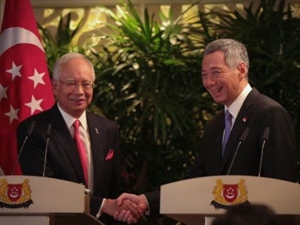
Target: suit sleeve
x,y
154,203
279,157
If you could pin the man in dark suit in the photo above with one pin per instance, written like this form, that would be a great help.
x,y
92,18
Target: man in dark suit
x,y
73,77
255,119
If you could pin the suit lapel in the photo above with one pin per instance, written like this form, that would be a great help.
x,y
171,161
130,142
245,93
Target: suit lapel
x,y
239,126
62,135
97,140
218,138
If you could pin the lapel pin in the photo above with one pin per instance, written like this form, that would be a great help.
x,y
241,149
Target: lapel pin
x,y
96,130
245,119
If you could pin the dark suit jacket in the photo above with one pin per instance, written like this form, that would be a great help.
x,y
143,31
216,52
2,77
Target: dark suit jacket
x,y
257,112
63,160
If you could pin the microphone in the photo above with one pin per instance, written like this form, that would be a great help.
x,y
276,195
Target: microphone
x,y
46,147
28,133
242,139
265,138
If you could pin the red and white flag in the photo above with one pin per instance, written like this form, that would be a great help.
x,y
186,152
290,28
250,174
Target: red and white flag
x,y
25,87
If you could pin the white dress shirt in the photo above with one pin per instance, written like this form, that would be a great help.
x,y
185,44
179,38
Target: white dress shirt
x,y
84,135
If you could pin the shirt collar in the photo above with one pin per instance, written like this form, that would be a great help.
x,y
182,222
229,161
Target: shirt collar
x,y
235,107
70,120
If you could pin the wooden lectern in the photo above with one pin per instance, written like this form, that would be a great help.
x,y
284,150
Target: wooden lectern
x,y
32,200
198,201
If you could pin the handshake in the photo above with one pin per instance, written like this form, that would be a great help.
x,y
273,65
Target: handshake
x,y
128,208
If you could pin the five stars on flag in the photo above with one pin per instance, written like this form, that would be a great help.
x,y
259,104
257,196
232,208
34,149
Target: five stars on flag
x,y
34,104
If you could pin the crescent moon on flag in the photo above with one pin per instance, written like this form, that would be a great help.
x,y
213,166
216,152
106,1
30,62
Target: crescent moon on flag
x,y
18,35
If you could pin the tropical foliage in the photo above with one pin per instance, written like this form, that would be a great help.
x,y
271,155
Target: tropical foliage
x,y
151,86
149,80
61,43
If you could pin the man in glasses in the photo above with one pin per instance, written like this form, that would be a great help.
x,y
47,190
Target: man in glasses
x,y
82,147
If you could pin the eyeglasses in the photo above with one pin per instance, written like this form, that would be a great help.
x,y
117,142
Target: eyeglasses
x,y
72,84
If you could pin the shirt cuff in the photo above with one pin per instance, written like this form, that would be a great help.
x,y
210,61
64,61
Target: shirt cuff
x,y
147,211
100,209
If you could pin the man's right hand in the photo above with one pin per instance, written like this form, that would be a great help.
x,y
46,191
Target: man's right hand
x,y
139,205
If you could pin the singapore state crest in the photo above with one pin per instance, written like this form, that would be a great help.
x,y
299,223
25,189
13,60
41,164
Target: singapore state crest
x,y
15,195
228,195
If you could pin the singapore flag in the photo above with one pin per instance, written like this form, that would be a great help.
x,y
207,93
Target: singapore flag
x,y
25,87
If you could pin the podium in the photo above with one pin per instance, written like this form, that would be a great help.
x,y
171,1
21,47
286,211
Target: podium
x,y
198,201
32,200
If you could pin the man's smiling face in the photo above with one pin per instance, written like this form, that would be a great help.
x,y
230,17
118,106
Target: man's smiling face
x,y
222,82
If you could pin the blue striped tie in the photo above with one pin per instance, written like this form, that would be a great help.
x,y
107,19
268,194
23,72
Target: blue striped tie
x,y
228,123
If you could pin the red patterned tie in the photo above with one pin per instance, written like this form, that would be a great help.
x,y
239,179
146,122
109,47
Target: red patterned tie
x,y
81,150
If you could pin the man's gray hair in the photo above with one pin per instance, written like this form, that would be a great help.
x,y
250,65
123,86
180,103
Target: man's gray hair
x,y
64,59
234,52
